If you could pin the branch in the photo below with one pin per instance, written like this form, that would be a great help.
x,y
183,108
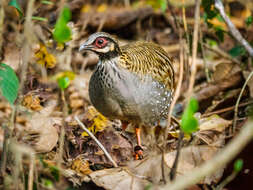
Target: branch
x,y
97,141
220,160
236,34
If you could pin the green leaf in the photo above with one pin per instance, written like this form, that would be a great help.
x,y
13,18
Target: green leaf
x,y
237,50
47,183
249,20
208,9
163,5
47,2
39,18
219,33
62,32
189,123
63,82
157,4
9,83
16,5
55,172
238,165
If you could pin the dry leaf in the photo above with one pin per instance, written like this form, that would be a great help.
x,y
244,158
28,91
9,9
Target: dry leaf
x,y
32,101
213,122
80,165
95,120
45,58
41,129
142,173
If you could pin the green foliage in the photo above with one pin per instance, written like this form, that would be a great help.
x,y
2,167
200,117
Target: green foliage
x,y
55,172
189,123
249,20
219,33
16,5
47,183
148,187
209,11
238,165
62,32
9,83
39,18
47,2
63,82
237,50
64,78
158,4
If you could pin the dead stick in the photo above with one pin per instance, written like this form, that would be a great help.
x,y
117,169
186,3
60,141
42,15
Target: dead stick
x,y
97,141
233,30
224,156
238,100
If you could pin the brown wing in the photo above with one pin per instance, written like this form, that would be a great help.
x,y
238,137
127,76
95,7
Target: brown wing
x,y
148,58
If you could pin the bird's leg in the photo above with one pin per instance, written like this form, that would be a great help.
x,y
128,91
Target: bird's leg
x,y
124,125
138,149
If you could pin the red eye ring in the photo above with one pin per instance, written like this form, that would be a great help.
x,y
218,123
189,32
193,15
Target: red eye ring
x,y
101,42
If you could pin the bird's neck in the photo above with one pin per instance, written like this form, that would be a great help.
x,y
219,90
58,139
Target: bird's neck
x,y
111,54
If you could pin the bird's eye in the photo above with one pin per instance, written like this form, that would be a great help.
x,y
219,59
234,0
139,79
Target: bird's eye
x,y
101,42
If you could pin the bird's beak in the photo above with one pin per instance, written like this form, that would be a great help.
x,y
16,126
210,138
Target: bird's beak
x,y
86,46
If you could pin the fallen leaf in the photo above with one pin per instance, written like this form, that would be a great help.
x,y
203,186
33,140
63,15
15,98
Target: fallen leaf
x,y
140,174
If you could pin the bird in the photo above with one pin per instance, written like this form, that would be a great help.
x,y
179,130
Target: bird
x,y
133,83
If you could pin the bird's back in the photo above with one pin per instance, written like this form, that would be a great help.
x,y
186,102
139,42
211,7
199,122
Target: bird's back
x,y
147,58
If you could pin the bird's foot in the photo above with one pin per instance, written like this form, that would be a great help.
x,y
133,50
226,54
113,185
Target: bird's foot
x,y
138,152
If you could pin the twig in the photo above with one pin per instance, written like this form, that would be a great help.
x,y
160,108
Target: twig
x,y
226,109
219,160
2,15
204,55
27,41
173,170
238,100
235,33
97,141
194,49
175,97
31,172
222,53
227,180
62,133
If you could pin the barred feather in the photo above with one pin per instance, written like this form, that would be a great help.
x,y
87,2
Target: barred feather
x,y
145,58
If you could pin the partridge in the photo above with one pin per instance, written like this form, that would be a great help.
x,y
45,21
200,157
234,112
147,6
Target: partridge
x,y
133,83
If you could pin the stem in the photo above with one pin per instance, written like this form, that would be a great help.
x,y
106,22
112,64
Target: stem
x,y
97,141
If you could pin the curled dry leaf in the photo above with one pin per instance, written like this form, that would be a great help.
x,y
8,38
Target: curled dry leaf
x,y
213,122
42,130
117,146
32,101
81,166
140,174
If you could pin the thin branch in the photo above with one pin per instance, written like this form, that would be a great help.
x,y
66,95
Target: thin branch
x,y
194,49
219,160
27,42
204,56
236,34
97,141
238,100
175,98
226,109
222,53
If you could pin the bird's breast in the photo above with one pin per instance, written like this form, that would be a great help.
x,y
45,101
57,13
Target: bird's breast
x,y
119,93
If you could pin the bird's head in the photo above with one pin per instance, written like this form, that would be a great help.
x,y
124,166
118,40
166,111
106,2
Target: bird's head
x,y
102,44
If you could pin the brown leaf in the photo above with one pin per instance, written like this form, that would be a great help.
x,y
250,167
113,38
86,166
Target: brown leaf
x,y
41,129
140,174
